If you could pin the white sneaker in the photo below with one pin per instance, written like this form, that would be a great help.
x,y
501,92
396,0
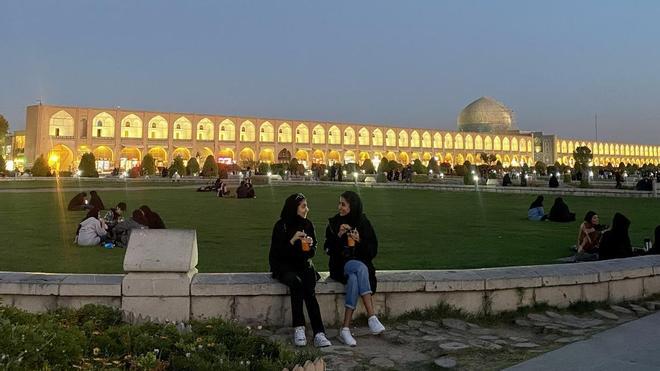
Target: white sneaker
x,y
346,337
299,338
320,341
375,326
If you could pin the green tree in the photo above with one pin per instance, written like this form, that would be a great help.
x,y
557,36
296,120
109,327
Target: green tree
x,y
383,166
192,167
4,128
210,167
148,165
418,167
263,168
177,166
540,167
3,165
582,156
293,166
368,167
40,167
433,166
87,166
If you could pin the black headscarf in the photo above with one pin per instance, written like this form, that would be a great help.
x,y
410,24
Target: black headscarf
x,y
355,204
95,200
537,203
139,217
587,217
289,212
93,213
656,240
620,225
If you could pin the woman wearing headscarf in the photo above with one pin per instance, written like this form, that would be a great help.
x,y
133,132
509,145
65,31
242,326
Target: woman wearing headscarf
x,y
656,242
121,233
615,242
92,230
536,212
351,243
588,238
153,219
78,202
560,212
95,200
293,244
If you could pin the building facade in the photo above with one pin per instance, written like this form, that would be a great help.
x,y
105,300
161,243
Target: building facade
x,y
120,138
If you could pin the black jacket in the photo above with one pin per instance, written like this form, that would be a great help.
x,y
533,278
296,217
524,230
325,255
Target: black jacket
x,y
339,252
615,242
284,257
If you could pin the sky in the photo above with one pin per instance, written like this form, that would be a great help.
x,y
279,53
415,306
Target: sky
x,y
556,64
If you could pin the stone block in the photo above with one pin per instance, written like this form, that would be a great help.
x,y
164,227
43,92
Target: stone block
x,y
400,281
161,250
161,308
568,274
461,280
20,283
400,303
651,285
223,284
510,277
379,301
261,310
622,290
509,300
91,285
205,307
596,292
558,296
76,302
468,301
157,284
329,304
30,303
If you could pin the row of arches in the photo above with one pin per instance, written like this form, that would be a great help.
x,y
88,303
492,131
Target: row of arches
x,y
568,147
131,126
604,161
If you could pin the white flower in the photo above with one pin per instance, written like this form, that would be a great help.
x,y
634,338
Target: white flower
x,y
187,355
259,327
156,350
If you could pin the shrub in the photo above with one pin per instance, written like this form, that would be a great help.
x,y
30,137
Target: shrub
x,y
445,168
468,178
87,166
40,167
420,178
381,178
368,167
192,167
460,170
177,166
351,168
433,166
263,168
210,167
383,166
418,167
3,165
148,165
293,167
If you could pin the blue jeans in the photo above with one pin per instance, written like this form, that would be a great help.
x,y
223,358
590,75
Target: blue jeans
x,y
357,283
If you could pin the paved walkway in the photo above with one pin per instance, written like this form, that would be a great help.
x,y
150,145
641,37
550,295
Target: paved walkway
x,y
631,346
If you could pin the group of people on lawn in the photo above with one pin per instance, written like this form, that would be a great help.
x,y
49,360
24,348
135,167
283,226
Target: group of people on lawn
x,y
595,241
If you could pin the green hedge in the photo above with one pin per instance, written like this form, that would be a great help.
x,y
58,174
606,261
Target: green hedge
x,y
94,337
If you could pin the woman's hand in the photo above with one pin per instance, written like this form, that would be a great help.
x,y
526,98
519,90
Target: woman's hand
x,y
299,235
355,235
343,229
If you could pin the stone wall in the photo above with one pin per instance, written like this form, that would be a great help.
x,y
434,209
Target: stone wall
x,y
255,298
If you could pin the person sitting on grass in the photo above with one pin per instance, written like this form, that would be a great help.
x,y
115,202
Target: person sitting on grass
x,y
615,242
560,212
78,202
293,244
536,212
242,190
92,230
222,190
121,233
656,242
506,180
95,200
351,243
154,220
589,238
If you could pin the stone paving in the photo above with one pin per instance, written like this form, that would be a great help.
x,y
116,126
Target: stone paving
x,y
452,343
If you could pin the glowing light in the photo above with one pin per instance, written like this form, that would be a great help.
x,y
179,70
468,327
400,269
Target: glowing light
x,y
9,165
269,173
355,174
344,172
557,174
476,178
431,172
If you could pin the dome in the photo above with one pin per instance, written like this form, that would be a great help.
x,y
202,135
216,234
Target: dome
x,y
485,115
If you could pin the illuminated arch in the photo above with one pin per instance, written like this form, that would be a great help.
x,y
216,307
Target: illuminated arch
x,y
266,132
182,152
302,156
225,156
334,136
61,124
448,141
227,131
458,141
390,156
362,156
470,157
129,158
437,140
488,144
349,157
415,156
414,139
318,135
403,158
302,134
246,155
514,145
403,139
318,157
204,153
247,134
182,128
284,133
349,136
377,137
103,126
205,129
333,156
564,147
267,155
157,128
478,142
506,146
159,154
459,159
497,145
427,142
60,158
363,137
390,138
469,144
426,157
449,159
284,156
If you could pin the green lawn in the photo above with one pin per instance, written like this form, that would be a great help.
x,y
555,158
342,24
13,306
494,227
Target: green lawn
x,y
417,229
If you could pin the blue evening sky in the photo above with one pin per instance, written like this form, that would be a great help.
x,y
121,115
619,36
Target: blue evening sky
x,y
408,63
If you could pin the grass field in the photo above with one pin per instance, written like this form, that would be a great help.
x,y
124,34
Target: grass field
x,y
417,229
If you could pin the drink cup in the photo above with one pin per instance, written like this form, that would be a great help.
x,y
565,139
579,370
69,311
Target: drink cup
x,y
351,241
647,244
305,244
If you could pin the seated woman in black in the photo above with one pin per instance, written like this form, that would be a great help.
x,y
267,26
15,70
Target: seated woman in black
x,y
560,212
351,242
292,247
95,200
656,242
79,202
615,242
153,219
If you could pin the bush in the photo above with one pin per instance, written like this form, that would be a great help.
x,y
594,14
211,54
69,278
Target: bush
x,y
368,167
40,167
418,167
278,168
433,166
350,168
192,167
460,170
567,178
383,166
293,167
3,165
177,166
263,168
87,166
468,178
420,178
210,167
148,165
222,171
135,172
381,178
445,168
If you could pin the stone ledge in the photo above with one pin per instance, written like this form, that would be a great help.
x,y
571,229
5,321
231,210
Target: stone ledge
x,y
24,283
91,285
